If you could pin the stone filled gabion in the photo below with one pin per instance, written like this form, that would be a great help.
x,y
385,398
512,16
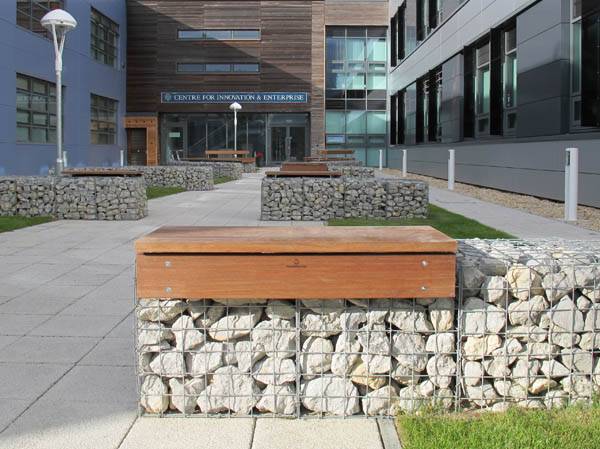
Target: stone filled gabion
x,y
220,169
523,331
314,198
355,171
80,198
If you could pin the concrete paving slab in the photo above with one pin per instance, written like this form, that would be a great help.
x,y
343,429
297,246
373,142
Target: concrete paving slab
x,y
5,340
60,424
124,329
177,433
111,352
61,350
35,305
97,384
52,291
28,381
101,304
322,434
10,409
77,326
13,324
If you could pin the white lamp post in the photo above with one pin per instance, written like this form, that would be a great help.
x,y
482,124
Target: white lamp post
x,y
235,107
58,22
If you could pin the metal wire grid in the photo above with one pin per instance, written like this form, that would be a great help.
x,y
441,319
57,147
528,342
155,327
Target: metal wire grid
x,y
505,367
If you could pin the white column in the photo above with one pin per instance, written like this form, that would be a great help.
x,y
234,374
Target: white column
x,y
404,163
122,157
380,160
451,169
571,183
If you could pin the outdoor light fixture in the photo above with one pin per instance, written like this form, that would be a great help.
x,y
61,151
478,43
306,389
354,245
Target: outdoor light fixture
x,y
235,107
59,22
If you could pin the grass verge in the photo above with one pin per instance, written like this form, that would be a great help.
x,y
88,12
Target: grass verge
x,y
12,223
451,224
157,192
569,428
222,179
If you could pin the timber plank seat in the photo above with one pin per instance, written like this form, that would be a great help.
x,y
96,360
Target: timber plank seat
x,y
226,155
77,172
303,174
304,166
295,263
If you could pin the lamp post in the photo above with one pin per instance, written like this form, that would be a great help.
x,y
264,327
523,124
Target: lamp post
x,y
59,22
235,107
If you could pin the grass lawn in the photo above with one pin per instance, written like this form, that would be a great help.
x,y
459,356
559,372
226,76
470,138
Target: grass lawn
x,y
157,192
222,179
451,224
12,223
569,428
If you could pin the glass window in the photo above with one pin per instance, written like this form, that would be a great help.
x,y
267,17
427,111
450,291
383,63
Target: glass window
x,y
376,81
103,122
334,122
104,42
36,110
190,67
355,49
376,49
510,69
355,122
218,68
356,81
376,122
482,80
30,12
219,35
246,68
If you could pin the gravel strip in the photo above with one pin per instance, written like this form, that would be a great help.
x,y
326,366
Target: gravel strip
x,y
589,217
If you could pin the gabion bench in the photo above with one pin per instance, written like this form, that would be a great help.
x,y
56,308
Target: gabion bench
x,y
285,321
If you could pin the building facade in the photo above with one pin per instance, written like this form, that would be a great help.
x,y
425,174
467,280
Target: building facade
x,y
93,85
508,84
309,74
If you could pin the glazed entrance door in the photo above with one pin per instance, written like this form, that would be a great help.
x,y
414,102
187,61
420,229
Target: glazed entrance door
x,y
288,143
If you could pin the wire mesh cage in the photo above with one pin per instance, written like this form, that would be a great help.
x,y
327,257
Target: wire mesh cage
x,y
523,330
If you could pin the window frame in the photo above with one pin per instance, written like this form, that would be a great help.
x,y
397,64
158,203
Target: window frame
x,y
232,34
102,49
95,134
49,112
31,19
509,111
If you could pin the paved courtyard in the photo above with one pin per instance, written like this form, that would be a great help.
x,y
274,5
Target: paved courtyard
x,y
66,334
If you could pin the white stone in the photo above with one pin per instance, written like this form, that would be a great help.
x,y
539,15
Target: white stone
x,y
186,336
473,373
409,318
324,306
482,395
316,355
273,371
240,302
346,355
410,399
443,343
169,363
230,390
441,370
275,337
405,375
541,351
152,333
331,395
527,312
160,310
552,368
577,360
531,404
495,289
527,333
472,280
596,376
206,359
185,395
376,347
480,317
497,367
352,318
582,274
441,314
509,389
508,351
361,374
556,399
592,319
409,350
154,395
562,337
580,386
542,263
377,316
556,285
566,315
245,356
285,310
583,304
542,384
524,282
321,325
381,402
237,322
476,348
524,372
278,399
205,313
590,341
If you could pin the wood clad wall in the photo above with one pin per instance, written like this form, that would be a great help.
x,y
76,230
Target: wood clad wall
x,y
356,13
317,112
284,51
150,124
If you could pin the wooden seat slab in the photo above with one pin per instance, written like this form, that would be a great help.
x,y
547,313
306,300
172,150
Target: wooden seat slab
x,y
304,166
296,263
305,173
78,172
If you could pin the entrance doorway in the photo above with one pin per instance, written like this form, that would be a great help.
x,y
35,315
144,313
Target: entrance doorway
x,y
176,141
136,146
288,138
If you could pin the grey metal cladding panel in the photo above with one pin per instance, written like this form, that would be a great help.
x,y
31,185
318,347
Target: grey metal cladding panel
x,y
544,82
541,17
543,118
551,45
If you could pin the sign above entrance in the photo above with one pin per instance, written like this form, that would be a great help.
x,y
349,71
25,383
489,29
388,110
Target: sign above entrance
x,y
230,97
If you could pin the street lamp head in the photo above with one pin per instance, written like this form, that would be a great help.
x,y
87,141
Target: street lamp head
x,y
235,106
61,19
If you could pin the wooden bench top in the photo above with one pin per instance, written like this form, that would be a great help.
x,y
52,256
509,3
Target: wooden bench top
x,y
228,152
213,159
304,166
303,173
327,159
330,152
75,172
276,239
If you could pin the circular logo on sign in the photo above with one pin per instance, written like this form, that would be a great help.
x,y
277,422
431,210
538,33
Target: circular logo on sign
x,y
167,97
